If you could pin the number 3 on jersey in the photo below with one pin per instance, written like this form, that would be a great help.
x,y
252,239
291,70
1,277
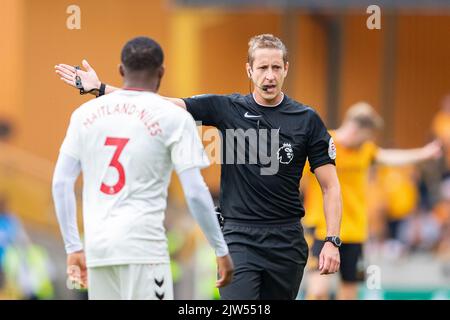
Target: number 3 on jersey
x,y
120,144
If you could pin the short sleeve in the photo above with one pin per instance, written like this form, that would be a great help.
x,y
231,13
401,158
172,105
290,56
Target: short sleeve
x,y
71,145
207,108
186,148
321,149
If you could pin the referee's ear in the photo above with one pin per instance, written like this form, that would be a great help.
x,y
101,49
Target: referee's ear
x,y
286,67
249,70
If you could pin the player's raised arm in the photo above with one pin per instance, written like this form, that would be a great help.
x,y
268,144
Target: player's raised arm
x,y
91,82
398,157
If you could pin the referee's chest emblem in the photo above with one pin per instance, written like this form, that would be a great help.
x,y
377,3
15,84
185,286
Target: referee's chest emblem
x,y
285,154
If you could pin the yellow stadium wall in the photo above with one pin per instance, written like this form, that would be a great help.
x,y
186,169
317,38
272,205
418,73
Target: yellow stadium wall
x,y
11,59
362,63
423,75
422,72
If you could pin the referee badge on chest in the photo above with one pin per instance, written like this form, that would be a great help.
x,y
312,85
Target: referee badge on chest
x,y
285,154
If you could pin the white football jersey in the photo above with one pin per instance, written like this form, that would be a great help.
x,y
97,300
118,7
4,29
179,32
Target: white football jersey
x,y
128,143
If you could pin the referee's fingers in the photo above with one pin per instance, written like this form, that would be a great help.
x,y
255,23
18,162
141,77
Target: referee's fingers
x,y
69,82
326,265
86,65
65,75
65,72
321,261
333,266
65,67
338,264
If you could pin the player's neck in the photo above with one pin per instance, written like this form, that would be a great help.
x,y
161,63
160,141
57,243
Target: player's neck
x,y
151,86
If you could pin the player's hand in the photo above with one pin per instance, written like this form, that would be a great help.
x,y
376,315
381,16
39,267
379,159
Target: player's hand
x,y
329,259
433,150
89,78
76,268
225,269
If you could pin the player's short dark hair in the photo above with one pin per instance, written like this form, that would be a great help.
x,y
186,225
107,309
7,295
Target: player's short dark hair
x,y
142,53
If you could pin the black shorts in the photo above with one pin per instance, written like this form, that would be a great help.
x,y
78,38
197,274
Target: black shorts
x,y
351,268
269,260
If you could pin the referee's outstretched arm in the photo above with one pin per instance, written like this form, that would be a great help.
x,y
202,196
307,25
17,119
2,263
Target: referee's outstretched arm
x,y
90,80
329,259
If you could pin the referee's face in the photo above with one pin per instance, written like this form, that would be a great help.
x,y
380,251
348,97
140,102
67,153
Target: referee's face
x,y
267,72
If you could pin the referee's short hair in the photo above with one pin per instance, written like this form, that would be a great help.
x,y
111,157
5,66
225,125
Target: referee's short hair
x,y
142,54
265,41
364,115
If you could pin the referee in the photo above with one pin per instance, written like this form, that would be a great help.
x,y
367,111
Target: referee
x,y
266,139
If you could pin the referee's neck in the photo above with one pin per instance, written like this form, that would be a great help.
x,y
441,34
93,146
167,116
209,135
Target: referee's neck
x,y
265,103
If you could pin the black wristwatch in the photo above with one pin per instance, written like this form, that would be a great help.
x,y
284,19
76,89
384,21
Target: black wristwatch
x,y
101,90
334,240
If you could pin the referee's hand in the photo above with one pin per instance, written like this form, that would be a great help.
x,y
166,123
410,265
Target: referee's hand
x,y
225,269
89,78
329,259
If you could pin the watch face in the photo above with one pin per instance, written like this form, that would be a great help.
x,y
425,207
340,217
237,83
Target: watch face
x,y
334,240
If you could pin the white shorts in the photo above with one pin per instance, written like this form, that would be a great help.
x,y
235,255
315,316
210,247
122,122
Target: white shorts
x,y
130,282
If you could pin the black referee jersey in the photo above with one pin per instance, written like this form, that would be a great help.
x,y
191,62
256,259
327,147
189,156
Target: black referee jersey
x,y
260,176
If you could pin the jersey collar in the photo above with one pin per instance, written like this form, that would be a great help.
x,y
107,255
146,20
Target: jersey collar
x,y
266,105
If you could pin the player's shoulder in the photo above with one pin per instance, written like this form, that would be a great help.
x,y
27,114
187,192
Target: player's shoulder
x,y
81,110
170,116
301,108
218,97
92,103
313,114
163,108
172,110
235,97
